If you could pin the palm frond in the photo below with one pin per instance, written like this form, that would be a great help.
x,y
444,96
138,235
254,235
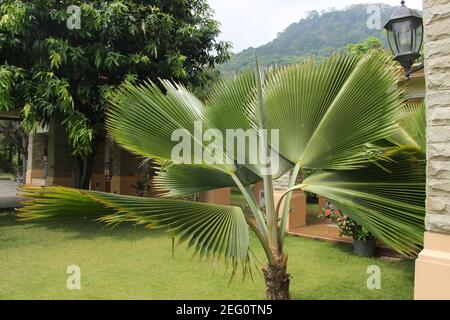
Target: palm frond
x,y
225,106
181,180
213,231
328,112
387,197
143,119
400,137
411,129
227,109
415,124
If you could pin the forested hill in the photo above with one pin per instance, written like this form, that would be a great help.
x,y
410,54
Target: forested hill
x,y
319,34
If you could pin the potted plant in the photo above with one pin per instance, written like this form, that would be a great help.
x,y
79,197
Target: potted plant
x,y
364,243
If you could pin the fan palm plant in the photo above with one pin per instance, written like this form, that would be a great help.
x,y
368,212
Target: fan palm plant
x,y
328,115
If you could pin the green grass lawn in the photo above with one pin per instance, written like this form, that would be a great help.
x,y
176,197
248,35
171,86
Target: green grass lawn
x,y
5,175
129,263
237,198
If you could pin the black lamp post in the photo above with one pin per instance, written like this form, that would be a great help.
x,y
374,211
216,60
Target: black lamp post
x,y
405,36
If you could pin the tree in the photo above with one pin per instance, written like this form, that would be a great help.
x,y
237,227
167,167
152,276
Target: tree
x,y
315,35
360,49
16,142
63,59
331,118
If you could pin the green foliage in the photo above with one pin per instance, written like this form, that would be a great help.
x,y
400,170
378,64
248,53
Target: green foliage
x,y
415,124
387,197
329,111
360,49
48,70
135,263
14,148
213,231
330,116
11,86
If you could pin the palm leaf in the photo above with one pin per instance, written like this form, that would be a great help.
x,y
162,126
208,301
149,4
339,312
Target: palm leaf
x,y
225,106
387,197
328,112
213,231
181,180
143,118
415,124
412,127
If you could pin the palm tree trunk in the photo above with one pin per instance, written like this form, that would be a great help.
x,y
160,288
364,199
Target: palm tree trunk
x,y
277,279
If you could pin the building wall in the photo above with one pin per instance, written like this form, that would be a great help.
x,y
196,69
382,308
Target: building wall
x,y
433,265
60,160
98,179
437,24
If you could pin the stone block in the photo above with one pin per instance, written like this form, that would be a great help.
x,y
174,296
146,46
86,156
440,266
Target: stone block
x,y
438,116
438,169
438,134
428,4
437,223
438,205
438,187
438,151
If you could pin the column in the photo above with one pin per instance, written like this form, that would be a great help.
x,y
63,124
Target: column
x,y
297,215
60,161
28,179
433,265
37,155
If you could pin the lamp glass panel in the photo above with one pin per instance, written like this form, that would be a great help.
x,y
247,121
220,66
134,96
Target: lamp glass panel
x,y
392,42
418,37
403,36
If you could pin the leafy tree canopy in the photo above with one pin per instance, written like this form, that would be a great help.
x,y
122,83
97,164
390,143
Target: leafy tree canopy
x,y
50,67
359,49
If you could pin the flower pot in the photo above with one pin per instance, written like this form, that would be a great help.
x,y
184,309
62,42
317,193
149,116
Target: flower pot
x,y
364,248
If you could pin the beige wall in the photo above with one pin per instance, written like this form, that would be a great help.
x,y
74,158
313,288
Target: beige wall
x,y
220,196
433,265
437,54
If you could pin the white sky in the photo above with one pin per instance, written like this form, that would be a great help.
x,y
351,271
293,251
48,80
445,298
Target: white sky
x,y
251,23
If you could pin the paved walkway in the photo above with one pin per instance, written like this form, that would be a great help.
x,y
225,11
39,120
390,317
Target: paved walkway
x,y
8,197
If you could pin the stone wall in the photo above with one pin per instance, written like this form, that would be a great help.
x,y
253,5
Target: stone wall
x,y
437,71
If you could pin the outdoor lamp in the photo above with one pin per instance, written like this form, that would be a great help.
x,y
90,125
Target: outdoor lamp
x,y
405,36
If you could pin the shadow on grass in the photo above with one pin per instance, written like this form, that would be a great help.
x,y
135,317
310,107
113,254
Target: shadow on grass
x,y
82,228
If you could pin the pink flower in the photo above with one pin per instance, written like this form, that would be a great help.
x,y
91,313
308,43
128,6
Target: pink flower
x,y
328,212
